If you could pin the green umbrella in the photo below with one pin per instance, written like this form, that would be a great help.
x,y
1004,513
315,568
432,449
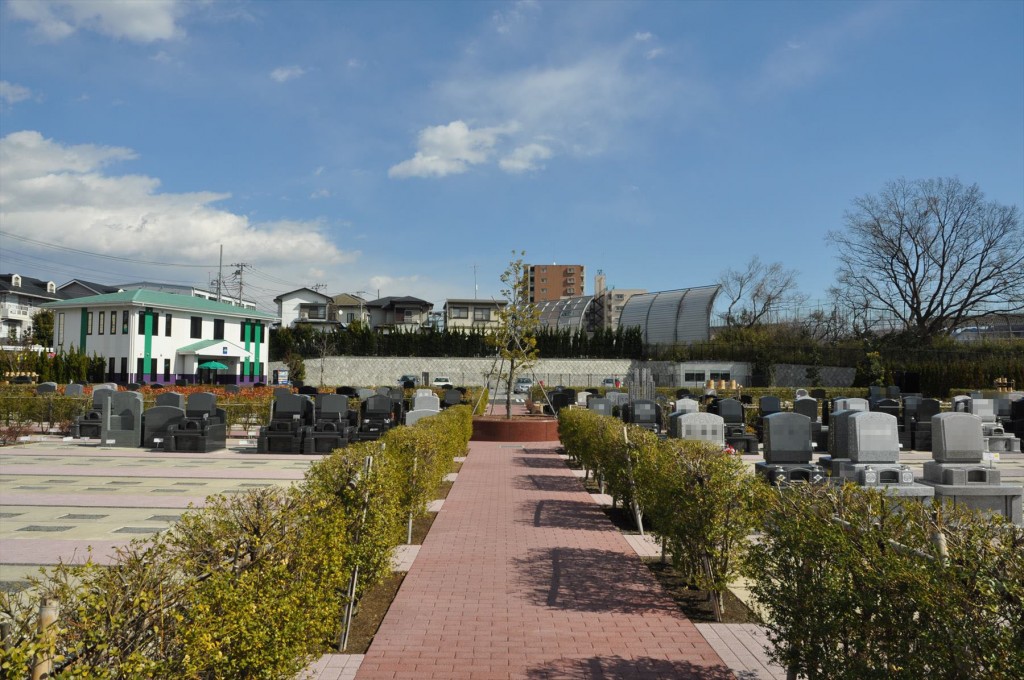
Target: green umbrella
x,y
212,364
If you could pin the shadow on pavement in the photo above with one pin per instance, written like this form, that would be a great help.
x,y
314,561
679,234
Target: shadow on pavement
x,y
591,581
618,668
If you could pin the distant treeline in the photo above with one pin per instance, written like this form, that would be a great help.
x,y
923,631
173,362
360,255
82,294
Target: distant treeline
x,y
308,342
935,369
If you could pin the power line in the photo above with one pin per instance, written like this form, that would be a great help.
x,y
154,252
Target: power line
x,y
116,258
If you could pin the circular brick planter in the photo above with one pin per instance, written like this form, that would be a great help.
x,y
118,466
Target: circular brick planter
x,y
519,429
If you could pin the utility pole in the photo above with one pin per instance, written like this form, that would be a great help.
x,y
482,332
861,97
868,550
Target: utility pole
x,y
240,272
476,289
220,274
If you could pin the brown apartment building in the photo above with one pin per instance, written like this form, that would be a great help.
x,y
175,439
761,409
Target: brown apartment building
x,y
554,281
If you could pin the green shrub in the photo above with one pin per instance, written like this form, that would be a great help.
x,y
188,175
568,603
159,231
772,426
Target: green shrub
x,y
853,585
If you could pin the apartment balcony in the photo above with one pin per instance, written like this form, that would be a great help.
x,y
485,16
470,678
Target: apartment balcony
x,y
11,310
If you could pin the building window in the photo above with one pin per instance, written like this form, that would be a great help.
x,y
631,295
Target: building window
x,y
167,325
571,279
142,323
167,370
88,323
544,279
156,321
481,314
101,326
619,296
152,369
60,329
570,291
695,376
140,369
124,367
458,312
111,364
723,375
570,270
409,315
218,329
197,327
113,326
124,331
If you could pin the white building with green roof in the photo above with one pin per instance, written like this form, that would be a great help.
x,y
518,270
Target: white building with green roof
x,y
156,337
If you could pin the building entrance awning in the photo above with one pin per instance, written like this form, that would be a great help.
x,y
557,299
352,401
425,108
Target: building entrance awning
x,y
215,348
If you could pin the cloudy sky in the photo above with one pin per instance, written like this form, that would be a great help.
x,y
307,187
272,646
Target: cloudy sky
x,y
407,148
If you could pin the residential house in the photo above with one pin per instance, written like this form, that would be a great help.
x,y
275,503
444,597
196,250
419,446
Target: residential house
x,y
150,336
305,305
472,314
21,297
350,308
398,313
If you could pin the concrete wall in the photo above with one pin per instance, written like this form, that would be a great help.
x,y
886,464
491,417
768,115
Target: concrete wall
x,y
365,371
359,371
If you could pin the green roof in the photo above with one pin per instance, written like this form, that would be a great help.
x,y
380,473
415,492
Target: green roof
x,y
152,298
203,344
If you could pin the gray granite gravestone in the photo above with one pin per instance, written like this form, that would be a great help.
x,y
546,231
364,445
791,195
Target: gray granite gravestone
x,y
122,420
598,405
426,402
787,451
88,426
74,390
873,448
706,427
957,471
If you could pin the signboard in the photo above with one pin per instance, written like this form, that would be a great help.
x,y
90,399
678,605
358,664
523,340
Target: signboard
x,y
224,350
282,376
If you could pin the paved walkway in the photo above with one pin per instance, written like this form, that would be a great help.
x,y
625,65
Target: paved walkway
x,y
522,576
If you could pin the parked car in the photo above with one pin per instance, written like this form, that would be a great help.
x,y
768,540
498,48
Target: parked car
x,y
610,383
442,381
523,386
415,380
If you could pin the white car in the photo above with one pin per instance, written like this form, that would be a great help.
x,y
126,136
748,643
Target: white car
x,y
442,381
523,386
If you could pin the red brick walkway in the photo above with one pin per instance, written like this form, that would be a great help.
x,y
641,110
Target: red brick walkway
x,y
522,576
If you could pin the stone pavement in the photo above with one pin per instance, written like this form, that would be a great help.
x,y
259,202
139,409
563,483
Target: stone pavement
x,y
522,576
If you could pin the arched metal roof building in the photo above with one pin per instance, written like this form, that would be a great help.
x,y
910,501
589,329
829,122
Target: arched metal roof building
x,y
565,313
671,316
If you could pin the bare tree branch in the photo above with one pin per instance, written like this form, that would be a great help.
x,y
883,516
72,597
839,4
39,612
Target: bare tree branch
x,y
930,253
758,293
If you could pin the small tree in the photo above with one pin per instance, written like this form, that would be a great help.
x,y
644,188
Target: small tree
x,y
515,337
42,327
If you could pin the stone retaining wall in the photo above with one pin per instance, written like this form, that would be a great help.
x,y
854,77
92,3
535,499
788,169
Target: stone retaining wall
x,y
372,371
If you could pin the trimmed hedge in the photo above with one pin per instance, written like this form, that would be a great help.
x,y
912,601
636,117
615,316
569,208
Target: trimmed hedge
x,y
248,586
855,585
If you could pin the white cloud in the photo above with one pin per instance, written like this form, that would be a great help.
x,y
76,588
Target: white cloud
x,y
285,73
579,106
142,22
654,53
525,158
11,93
801,62
450,150
355,64
320,193
506,20
63,195
643,37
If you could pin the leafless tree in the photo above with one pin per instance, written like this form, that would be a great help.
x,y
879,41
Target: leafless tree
x,y
758,293
929,254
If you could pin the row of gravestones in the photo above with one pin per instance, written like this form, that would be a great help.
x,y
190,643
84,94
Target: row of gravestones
x,y
78,390
118,419
865,448
313,423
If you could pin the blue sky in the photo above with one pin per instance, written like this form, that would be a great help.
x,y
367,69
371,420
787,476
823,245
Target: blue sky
x,y
410,147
